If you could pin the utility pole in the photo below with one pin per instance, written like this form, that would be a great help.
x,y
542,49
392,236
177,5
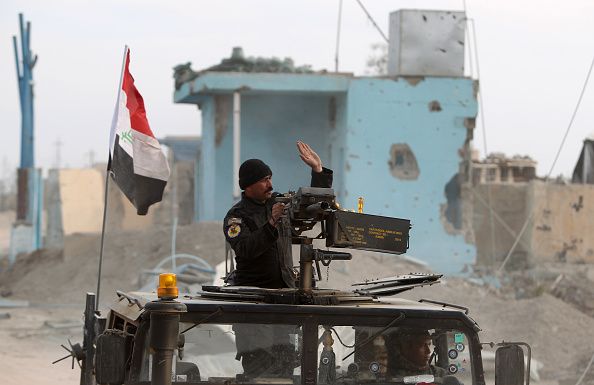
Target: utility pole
x,y
26,231
58,161
91,154
24,66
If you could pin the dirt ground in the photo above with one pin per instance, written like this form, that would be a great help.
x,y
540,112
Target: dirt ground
x,y
30,344
6,219
55,282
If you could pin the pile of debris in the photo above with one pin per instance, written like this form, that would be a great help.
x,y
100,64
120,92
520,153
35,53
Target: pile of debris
x,y
64,276
239,63
575,290
573,284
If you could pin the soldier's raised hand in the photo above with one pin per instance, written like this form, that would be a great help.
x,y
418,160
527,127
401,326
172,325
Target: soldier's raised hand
x,y
309,156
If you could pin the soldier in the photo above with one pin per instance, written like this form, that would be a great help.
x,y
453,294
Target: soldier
x,y
256,229
261,238
413,353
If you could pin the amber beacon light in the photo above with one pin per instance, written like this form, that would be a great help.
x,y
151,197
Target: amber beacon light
x,y
167,286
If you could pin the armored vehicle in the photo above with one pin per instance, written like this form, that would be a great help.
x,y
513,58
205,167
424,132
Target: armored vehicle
x,y
227,335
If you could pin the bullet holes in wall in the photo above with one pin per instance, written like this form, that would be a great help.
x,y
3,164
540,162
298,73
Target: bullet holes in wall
x,y
434,106
403,163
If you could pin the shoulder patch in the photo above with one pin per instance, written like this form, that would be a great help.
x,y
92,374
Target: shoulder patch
x,y
233,230
233,220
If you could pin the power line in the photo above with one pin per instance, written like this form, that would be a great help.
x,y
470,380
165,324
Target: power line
x,y
573,115
467,33
373,21
572,119
484,130
585,371
483,126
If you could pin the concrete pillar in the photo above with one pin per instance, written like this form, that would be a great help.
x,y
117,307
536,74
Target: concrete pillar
x,y
207,167
236,144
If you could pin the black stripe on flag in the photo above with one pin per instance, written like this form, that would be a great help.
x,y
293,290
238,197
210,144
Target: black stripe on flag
x,y
142,191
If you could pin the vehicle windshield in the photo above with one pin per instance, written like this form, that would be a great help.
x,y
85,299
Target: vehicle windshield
x,y
408,355
224,353
264,353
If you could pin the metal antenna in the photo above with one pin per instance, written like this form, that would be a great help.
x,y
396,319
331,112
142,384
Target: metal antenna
x,y
338,35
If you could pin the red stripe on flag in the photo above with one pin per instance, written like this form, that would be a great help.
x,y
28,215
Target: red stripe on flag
x,y
135,103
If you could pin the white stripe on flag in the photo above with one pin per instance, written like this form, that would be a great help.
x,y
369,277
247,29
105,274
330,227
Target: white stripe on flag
x,y
123,127
149,160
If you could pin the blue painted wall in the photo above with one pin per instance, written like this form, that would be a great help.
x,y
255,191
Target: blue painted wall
x,y
352,123
270,126
382,112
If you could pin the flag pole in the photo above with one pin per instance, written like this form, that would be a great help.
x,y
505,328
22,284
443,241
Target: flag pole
x,y
102,239
107,172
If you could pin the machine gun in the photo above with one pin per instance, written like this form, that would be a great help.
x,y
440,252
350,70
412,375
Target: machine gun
x,y
341,229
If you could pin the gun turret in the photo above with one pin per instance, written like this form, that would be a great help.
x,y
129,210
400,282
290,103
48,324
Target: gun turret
x,y
312,205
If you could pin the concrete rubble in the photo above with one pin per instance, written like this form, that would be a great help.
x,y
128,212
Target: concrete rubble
x,y
575,290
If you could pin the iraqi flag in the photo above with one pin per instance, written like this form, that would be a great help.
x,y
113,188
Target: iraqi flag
x,y
136,161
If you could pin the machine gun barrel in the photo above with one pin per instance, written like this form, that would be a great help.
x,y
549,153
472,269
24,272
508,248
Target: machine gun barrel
x,y
317,208
327,255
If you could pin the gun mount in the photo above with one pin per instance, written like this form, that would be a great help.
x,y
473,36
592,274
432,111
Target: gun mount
x,y
342,229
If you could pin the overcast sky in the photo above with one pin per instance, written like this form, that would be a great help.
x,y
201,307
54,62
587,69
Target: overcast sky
x,y
533,54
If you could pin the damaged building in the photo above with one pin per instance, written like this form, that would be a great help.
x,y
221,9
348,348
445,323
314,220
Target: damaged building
x,y
497,168
553,216
394,140
66,215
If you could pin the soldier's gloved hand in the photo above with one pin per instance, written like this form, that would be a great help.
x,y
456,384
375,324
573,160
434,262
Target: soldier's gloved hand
x,y
277,211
